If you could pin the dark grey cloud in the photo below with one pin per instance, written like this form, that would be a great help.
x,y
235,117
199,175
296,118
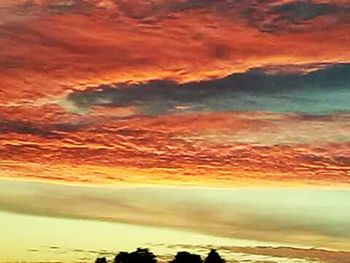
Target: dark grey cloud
x,y
55,130
32,7
302,10
22,127
137,9
295,15
75,6
319,92
141,9
268,15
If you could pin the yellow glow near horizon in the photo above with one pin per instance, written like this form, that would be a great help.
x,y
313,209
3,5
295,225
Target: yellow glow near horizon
x,y
29,238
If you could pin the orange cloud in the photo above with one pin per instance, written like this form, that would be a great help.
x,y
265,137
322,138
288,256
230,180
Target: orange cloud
x,y
49,54
205,149
48,49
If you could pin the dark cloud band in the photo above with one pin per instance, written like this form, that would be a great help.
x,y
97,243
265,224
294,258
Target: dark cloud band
x,y
323,91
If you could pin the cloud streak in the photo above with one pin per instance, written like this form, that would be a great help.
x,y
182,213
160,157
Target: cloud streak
x,y
275,254
296,216
220,149
320,92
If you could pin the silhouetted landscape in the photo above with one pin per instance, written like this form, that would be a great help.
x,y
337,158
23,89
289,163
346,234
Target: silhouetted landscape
x,y
144,255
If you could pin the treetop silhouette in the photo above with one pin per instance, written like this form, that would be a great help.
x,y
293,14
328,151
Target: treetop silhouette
x,y
101,260
141,255
214,257
186,257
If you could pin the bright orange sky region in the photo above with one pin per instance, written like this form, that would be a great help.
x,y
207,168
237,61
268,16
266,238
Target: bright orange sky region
x,y
79,78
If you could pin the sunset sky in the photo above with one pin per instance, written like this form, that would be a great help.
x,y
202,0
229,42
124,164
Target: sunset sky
x,y
194,123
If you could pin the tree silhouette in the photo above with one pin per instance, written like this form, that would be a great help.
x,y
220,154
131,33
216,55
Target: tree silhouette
x,y
214,257
141,255
101,260
122,257
186,257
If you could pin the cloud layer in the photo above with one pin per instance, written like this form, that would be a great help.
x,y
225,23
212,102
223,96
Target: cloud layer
x,y
319,92
51,47
303,217
280,124
224,93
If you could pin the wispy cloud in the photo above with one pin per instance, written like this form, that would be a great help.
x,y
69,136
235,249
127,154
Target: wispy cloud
x,y
274,254
304,217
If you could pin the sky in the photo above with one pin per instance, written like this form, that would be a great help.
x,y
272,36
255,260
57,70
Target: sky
x,y
227,120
